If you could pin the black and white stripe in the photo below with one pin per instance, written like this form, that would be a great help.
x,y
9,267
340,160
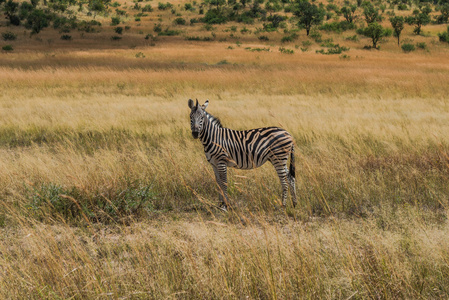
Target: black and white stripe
x,y
245,149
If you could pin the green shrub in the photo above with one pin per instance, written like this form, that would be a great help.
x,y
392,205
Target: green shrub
x,y
189,7
408,47
180,21
115,21
421,45
402,6
116,38
263,38
157,28
105,206
444,36
164,6
9,36
353,38
215,16
169,32
118,30
7,48
334,49
120,12
258,49
37,20
388,32
316,36
147,8
285,50
197,38
66,37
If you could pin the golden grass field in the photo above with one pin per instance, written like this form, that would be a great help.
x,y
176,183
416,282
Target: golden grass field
x,y
105,195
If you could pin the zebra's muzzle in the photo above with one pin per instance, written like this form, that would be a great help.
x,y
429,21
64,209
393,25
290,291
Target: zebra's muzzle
x,y
195,134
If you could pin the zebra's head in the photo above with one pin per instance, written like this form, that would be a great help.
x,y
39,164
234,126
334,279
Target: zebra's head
x,y
197,115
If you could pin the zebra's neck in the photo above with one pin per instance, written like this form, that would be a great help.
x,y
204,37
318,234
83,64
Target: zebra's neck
x,y
210,124
213,120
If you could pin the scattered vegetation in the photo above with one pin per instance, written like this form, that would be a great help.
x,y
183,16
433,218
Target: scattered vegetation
x,y
104,193
406,47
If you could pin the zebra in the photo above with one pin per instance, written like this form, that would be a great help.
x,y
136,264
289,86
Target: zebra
x,y
247,149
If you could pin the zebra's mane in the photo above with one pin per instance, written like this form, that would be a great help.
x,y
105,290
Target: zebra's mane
x,y
214,120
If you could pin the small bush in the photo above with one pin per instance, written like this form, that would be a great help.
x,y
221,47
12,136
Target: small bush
x,y
258,49
316,36
189,7
215,16
7,48
335,49
444,36
120,12
263,38
157,28
306,43
408,47
73,204
402,6
285,50
388,32
353,38
118,30
147,8
115,21
66,37
140,55
164,6
286,39
116,38
421,45
9,36
180,21
169,32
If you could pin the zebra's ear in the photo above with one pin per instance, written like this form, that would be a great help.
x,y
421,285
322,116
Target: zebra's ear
x,y
204,106
190,103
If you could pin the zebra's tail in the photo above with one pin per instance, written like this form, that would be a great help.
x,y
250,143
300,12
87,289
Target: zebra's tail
x,y
291,172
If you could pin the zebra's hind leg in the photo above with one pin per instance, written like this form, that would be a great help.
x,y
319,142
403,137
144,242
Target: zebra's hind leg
x,y
292,184
282,174
222,179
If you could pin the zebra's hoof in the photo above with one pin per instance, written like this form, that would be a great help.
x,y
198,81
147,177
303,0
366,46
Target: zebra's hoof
x,y
223,207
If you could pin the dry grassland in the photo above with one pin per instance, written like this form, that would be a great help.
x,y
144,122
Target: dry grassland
x,y
104,194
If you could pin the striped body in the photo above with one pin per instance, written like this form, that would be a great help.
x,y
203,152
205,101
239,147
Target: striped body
x,y
245,149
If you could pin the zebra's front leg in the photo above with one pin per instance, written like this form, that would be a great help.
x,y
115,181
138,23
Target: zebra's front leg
x,y
222,179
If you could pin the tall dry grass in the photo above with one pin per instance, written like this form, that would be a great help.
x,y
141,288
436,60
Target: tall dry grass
x,y
104,194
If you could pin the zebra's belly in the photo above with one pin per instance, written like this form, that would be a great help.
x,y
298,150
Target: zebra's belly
x,y
245,163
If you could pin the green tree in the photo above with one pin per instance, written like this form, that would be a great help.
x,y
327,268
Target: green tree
x,y
97,5
371,13
308,14
374,31
10,10
349,13
398,25
444,17
37,20
419,18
